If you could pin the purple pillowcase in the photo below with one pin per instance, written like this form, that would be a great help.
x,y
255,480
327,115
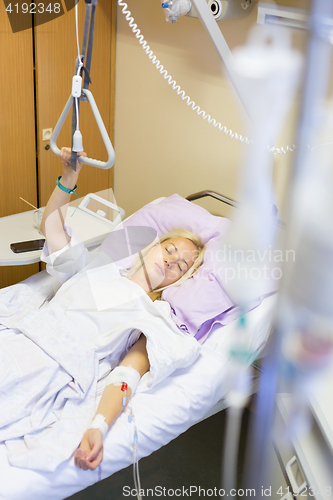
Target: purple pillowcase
x,y
200,301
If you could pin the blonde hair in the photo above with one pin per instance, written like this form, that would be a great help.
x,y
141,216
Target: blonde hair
x,y
176,233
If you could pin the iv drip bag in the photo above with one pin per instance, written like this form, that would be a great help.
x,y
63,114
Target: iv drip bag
x,y
175,8
266,72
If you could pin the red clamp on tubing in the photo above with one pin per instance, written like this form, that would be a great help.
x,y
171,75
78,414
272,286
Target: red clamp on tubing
x,y
124,389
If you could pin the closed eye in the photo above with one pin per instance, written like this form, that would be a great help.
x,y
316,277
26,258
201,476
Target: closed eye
x,y
182,268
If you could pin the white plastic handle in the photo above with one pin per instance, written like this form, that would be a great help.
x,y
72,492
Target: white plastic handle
x,y
106,139
297,490
91,196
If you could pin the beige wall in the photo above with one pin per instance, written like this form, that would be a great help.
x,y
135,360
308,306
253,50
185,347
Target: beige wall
x,y
162,146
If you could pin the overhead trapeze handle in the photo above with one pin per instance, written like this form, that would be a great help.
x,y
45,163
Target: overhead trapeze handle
x,y
106,139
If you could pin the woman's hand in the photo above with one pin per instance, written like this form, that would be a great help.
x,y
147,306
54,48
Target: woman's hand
x,y
68,172
90,453
52,224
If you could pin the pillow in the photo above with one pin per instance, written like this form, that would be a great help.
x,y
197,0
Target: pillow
x,y
258,324
199,300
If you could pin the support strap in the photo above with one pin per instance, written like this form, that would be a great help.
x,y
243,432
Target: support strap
x,y
90,44
86,96
89,28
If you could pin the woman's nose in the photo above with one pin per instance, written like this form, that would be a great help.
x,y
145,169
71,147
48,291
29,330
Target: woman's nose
x,y
169,260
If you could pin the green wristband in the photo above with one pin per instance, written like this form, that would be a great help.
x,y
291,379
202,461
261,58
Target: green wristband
x,y
63,188
69,191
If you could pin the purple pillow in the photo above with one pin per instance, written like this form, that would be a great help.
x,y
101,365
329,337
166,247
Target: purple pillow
x,y
197,302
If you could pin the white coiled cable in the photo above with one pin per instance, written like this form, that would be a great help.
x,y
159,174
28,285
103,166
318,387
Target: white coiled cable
x,y
179,91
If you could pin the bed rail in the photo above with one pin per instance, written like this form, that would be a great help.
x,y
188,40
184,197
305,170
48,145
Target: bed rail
x,y
213,194
229,201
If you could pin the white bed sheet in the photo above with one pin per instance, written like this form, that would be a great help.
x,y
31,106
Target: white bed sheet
x,y
162,413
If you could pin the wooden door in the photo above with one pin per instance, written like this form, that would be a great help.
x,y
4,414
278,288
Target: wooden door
x,y
56,52
23,153
17,132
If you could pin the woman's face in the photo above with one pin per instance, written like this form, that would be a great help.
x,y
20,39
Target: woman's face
x,y
166,262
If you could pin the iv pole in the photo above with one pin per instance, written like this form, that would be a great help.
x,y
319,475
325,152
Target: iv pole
x,y
257,474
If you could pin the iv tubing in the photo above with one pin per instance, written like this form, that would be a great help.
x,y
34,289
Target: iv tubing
x,y
136,473
184,97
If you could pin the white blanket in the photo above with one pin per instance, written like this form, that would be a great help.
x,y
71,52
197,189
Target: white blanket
x,y
53,356
161,413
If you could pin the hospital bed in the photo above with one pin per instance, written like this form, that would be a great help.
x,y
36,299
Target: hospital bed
x,y
186,396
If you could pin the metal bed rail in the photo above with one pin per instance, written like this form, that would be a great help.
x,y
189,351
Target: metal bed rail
x,y
229,201
213,194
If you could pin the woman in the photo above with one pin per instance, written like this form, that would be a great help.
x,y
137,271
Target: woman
x,y
175,258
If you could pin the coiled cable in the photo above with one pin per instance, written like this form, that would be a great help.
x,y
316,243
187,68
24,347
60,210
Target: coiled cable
x,y
182,94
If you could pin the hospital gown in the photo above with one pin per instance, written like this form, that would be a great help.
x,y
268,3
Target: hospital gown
x,y
53,353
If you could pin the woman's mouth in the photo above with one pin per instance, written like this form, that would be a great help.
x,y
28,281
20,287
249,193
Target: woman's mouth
x,y
160,269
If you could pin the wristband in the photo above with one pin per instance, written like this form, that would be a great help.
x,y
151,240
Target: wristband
x,y
69,191
99,423
63,188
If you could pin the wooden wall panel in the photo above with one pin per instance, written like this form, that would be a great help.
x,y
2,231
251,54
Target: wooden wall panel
x,y
17,131
17,124
55,49
11,275
56,53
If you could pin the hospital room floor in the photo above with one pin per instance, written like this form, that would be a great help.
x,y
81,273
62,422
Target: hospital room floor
x,y
192,459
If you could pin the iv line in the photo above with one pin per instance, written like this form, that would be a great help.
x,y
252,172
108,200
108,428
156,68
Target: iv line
x,y
179,91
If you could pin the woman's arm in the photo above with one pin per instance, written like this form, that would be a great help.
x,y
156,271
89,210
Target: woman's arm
x,y
90,453
52,224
